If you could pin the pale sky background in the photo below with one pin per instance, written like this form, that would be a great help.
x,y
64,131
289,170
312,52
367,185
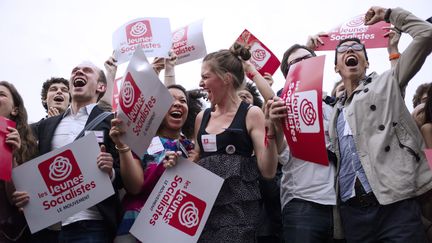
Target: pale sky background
x,y
43,38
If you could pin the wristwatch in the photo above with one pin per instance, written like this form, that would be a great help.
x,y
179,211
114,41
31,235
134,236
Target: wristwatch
x,y
387,15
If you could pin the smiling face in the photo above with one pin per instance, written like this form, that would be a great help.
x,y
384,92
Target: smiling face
x,y
7,106
177,114
351,61
212,84
58,96
84,85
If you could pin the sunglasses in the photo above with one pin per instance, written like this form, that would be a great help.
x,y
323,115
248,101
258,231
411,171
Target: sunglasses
x,y
355,47
299,59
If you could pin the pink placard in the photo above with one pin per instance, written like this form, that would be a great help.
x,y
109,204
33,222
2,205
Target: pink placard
x,y
262,58
303,125
116,88
5,150
428,153
372,36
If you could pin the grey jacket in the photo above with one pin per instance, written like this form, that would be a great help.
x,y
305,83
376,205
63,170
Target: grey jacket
x,y
387,139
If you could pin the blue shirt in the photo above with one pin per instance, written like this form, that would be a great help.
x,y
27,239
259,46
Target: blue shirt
x,y
350,167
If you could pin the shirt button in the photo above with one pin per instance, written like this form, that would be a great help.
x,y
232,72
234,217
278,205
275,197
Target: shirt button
x,y
366,90
373,107
387,148
381,127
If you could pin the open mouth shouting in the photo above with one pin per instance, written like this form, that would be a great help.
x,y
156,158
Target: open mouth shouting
x,y
79,82
59,98
176,114
351,61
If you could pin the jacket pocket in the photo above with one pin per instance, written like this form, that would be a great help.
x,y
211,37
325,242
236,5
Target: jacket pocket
x,y
404,139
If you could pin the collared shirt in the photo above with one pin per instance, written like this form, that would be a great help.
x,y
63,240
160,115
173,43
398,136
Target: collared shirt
x,y
350,168
307,180
66,132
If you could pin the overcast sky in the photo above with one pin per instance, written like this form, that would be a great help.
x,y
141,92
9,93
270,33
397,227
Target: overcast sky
x,y
41,39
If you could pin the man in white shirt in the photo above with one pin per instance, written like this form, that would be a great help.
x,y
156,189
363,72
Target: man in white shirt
x,y
98,223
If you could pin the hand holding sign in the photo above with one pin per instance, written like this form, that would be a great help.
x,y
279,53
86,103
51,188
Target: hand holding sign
x,y
374,15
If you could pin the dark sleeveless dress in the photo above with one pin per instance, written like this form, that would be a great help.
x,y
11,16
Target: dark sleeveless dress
x,y
234,216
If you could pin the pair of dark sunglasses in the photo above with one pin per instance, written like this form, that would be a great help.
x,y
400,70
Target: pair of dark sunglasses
x,y
355,47
292,62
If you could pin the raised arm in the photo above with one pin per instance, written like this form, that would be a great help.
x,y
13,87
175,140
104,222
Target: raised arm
x,y
131,170
262,132
412,59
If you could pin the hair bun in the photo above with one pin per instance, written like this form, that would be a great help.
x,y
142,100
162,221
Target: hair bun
x,y
240,51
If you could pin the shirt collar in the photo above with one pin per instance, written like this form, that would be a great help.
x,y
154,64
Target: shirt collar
x,y
87,109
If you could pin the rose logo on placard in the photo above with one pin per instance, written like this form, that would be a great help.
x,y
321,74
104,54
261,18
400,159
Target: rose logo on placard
x,y
128,94
138,29
259,54
359,21
189,215
307,112
60,169
178,35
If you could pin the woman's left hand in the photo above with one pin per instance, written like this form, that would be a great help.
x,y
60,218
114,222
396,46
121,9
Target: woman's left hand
x,y
13,138
170,158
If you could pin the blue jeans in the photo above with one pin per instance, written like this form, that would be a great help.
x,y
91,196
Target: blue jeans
x,y
396,222
86,231
305,222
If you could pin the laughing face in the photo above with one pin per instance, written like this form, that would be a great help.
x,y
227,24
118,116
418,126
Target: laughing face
x,y
177,114
84,85
351,61
212,84
58,96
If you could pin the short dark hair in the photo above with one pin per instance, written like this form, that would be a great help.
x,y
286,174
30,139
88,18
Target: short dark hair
x,y
101,79
284,64
47,84
350,39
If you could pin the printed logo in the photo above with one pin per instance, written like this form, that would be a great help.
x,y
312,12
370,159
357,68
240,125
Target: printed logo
x,y
131,98
61,172
308,109
180,35
355,25
260,56
185,212
138,32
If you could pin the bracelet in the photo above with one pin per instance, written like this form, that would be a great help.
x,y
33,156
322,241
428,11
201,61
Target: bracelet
x,y
251,75
123,149
394,56
270,136
169,76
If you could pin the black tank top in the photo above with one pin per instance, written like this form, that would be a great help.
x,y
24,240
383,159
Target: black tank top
x,y
234,140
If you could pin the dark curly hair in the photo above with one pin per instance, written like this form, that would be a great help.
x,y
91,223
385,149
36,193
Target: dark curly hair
x,y
195,106
47,84
28,149
257,101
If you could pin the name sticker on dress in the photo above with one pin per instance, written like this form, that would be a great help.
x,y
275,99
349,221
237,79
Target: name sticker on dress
x,y
209,142
156,146
99,135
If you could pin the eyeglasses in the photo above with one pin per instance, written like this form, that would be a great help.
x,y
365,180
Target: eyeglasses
x,y
355,47
299,59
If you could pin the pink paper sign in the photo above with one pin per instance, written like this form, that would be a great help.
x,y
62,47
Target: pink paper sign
x,y
372,36
262,58
5,150
303,125
428,153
